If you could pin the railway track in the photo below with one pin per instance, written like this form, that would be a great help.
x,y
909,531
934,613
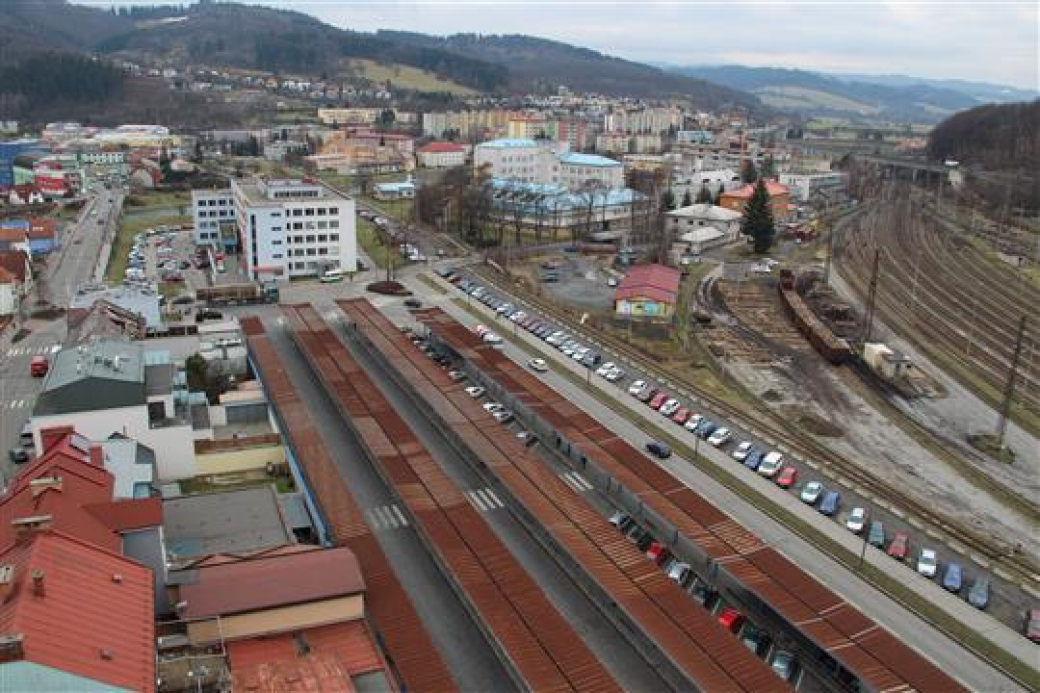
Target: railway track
x,y
1002,559
955,305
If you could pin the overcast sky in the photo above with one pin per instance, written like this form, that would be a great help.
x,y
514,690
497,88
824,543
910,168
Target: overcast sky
x,y
987,40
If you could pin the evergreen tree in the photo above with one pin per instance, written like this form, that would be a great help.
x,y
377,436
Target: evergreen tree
x,y
686,199
757,223
704,196
748,173
668,200
768,167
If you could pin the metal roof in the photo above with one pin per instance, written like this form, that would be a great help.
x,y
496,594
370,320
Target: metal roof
x,y
576,159
508,143
227,522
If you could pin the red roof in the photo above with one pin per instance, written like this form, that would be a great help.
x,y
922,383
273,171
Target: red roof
x,y
655,282
334,654
41,228
92,616
772,188
254,583
437,147
15,262
6,277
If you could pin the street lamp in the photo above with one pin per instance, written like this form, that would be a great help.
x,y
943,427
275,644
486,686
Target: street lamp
x,y
865,533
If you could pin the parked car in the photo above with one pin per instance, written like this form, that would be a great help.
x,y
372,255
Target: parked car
x,y
38,366
636,387
503,416
787,476
659,449
412,303
669,407
754,459
705,595
876,535
615,374
658,400
475,391
456,376
928,563
604,369
492,407
1032,629
857,520
978,593
758,641
720,437
706,428
680,572
538,365
771,464
731,619
647,394
681,416
899,546
784,665
618,518
953,577
18,455
658,552
744,449
693,422
831,503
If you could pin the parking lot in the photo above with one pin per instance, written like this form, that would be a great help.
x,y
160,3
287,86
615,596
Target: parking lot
x,y
879,529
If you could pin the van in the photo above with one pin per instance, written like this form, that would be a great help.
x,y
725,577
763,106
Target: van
x,y
333,274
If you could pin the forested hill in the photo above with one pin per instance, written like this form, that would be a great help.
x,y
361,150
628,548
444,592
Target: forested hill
x,y
1002,137
537,64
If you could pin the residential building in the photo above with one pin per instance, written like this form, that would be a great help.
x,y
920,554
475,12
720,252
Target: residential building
x,y
34,236
135,300
9,297
779,198
581,170
716,181
209,210
349,116
442,155
112,386
648,291
613,142
694,137
655,120
288,618
16,263
403,190
293,228
804,186
724,225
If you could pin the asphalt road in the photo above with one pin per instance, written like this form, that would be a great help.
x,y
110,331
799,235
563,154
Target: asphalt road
x,y
944,651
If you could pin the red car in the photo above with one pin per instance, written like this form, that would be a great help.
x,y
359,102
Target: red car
x,y
731,619
682,416
1033,625
657,552
787,477
897,549
659,399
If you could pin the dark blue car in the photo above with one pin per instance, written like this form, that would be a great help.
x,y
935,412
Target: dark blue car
x,y
754,459
952,578
706,429
831,503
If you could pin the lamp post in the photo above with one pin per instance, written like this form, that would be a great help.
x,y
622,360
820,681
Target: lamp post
x,y
866,531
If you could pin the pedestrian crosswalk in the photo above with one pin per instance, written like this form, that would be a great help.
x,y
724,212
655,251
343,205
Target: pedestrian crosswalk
x,y
576,481
33,350
485,499
385,517
16,404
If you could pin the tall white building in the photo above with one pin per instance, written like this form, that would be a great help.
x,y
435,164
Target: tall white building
x,y
293,228
208,209
546,163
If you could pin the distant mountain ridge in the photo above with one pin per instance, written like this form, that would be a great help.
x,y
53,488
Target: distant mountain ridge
x,y
895,98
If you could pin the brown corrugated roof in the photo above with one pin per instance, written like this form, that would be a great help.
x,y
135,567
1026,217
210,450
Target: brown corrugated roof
x,y
251,584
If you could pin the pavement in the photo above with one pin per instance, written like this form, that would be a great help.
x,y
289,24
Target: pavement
x,y
941,649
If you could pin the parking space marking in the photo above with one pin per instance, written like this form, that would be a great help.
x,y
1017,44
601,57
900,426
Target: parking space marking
x,y
15,404
386,517
576,481
485,499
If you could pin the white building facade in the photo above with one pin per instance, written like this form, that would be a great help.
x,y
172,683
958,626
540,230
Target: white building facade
x,y
208,209
804,185
293,228
546,163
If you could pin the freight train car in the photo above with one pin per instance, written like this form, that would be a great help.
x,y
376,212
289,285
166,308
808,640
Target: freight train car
x,y
835,350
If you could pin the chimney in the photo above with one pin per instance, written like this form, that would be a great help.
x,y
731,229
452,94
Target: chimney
x,y
44,483
6,581
51,436
11,647
97,455
37,581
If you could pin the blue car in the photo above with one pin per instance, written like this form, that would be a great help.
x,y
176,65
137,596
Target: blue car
x,y
831,503
706,429
952,578
754,459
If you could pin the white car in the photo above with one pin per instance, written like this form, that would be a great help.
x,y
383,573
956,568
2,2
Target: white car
x,y
771,464
615,374
669,407
928,563
579,353
475,391
538,365
743,450
492,407
857,519
693,422
605,368
636,387
503,416
679,571
720,437
492,338
811,492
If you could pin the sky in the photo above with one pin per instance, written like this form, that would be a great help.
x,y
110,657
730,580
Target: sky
x,y
985,40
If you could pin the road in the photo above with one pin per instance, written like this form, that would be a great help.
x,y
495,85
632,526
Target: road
x,y
944,651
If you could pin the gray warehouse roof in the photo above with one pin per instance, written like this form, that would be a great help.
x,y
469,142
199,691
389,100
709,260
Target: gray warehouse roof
x,y
105,374
228,522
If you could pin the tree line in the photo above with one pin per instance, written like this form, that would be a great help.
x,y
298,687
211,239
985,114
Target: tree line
x,y
43,79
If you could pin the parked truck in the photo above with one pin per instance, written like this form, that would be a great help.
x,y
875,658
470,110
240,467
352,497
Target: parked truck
x,y
229,294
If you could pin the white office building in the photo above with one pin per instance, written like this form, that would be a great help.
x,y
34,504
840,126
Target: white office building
x,y
545,162
293,228
208,209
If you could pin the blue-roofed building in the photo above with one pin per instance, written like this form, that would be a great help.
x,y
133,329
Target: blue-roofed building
x,y
595,214
9,151
546,162
404,190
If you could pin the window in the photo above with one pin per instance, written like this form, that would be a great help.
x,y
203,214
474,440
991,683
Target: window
x,y
322,238
310,239
323,250
311,251
297,212
323,224
297,225
334,223
334,237
276,242
309,212
277,256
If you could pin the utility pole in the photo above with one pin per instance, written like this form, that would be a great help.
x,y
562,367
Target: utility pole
x,y
1009,388
868,326
831,230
